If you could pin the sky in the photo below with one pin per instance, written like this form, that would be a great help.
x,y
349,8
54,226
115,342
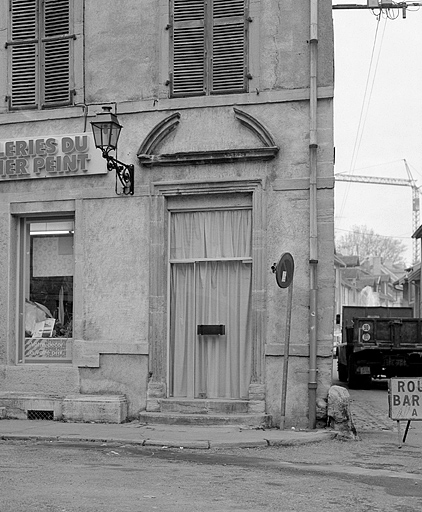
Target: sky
x,y
377,118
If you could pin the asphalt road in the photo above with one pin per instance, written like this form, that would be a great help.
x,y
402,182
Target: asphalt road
x,y
351,476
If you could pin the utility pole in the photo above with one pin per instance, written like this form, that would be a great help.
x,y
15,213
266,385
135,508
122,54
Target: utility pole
x,y
380,5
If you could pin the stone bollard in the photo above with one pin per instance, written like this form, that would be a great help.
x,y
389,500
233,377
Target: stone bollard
x,y
339,414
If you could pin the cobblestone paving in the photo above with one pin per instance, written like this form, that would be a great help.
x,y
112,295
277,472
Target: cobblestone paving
x,y
366,417
369,407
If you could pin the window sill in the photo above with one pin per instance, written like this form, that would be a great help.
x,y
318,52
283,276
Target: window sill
x,y
25,116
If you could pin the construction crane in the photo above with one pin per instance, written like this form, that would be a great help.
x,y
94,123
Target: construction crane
x,y
410,182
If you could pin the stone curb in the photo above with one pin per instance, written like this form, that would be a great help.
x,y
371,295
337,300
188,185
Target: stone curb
x,y
239,444
35,437
314,438
194,445
147,443
204,445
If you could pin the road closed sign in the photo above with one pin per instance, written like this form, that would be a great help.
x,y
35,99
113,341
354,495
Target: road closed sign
x,y
405,398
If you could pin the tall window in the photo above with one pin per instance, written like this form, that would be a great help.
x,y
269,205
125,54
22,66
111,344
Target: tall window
x,y
46,290
40,48
208,47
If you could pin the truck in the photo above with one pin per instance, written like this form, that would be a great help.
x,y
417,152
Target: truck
x,y
378,342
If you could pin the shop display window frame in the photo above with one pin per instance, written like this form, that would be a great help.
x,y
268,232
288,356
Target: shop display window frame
x,y
52,346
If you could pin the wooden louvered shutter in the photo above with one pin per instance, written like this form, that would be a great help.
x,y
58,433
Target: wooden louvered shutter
x,y
188,47
228,69
56,53
24,54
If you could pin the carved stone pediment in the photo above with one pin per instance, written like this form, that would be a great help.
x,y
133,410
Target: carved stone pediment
x,y
148,157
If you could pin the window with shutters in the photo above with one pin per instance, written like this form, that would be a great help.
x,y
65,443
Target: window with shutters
x,y
40,49
208,47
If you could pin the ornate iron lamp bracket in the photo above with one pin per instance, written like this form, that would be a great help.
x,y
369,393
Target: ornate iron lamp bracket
x,y
124,173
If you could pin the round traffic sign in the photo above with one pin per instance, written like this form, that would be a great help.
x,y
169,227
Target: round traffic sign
x,y
284,270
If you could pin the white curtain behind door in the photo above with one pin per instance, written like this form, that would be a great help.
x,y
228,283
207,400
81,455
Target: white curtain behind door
x,y
211,234
210,292
223,297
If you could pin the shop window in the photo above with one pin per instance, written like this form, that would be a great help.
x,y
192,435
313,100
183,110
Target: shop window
x,y
46,290
40,49
208,47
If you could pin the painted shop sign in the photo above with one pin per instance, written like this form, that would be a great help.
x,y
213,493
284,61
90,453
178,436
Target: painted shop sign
x,y
50,156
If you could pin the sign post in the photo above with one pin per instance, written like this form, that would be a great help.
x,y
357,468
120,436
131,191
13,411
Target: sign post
x,y
405,402
284,271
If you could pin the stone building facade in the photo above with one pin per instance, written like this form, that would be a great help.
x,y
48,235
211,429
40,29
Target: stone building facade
x,y
166,295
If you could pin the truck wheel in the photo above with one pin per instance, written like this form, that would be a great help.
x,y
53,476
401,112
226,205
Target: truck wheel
x,y
366,381
355,381
342,372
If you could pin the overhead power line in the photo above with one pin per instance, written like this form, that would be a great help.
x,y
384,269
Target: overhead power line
x,y
369,86
382,7
398,237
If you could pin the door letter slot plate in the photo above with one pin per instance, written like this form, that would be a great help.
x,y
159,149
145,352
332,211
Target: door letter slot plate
x,y
211,330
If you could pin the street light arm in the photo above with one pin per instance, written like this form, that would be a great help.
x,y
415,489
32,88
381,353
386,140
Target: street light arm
x,y
125,173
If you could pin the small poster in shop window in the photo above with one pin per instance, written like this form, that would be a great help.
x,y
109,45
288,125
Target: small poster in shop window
x,y
44,329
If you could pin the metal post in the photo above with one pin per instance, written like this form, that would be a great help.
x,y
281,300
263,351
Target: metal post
x,y
406,431
399,433
286,355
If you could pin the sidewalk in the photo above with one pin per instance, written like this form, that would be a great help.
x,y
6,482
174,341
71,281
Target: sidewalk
x,y
170,436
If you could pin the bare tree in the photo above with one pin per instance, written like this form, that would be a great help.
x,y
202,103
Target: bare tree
x,y
364,242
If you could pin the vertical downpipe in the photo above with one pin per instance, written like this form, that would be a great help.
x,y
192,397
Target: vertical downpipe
x,y
313,236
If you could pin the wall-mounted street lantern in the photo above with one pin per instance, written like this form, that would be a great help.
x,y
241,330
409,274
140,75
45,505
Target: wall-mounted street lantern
x,y
106,130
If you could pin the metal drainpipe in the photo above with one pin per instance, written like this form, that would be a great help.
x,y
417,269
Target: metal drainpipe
x,y
313,236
